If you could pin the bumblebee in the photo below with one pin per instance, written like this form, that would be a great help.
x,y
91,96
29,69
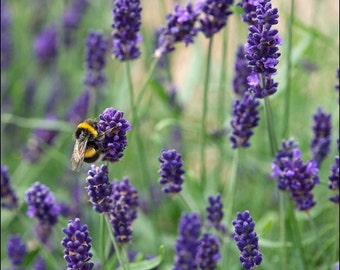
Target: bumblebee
x,y
86,147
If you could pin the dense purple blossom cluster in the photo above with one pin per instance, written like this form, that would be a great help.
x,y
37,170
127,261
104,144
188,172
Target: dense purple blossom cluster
x,y
215,213
77,244
126,25
247,240
208,252
297,178
115,140
171,171
16,250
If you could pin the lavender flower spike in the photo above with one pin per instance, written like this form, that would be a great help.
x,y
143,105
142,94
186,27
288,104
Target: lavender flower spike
x,y
214,15
124,210
171,171
126,25
77,244
215,213
16,250
180,27
114,125
242,71
41,204
297,178
187,241
245,118
247,240
334,180
99,188
208,252
46,45
322,127
8,198
262,49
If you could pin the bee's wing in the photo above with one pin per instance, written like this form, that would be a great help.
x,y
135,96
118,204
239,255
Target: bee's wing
x,y
77,157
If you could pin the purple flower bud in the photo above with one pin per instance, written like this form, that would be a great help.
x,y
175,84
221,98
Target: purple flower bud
x,y
180,27
215,213
16,249
246,240
99,188
112,123
297,178
41,204
187,241
45,45
245,118
40,264
249,8
214,15
8,198
77,244
124,210
320,144
208,252
334,180
171,171
126,25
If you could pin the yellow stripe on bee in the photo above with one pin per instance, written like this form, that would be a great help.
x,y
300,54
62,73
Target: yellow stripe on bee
x,y
87,126
90,152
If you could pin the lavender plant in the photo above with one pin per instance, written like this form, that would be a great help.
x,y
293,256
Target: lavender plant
x,y
170,95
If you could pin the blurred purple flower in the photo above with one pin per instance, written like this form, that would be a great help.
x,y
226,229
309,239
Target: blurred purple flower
x,y
16,250
180,27
40,138
322,128
334,180
208,252
46,45
126,25
187,241
171,171
247,240
113,124
213,15
40,264
297,178
41,204
96,47
124,210
8,198
99,188
71,19
77,244
245,118
79,109
241,73
6,42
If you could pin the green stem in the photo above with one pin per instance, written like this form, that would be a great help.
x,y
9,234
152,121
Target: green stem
x,y
270,127
283,239
145,83
295,230
286,112
204,115
230,188
135,126
119,250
